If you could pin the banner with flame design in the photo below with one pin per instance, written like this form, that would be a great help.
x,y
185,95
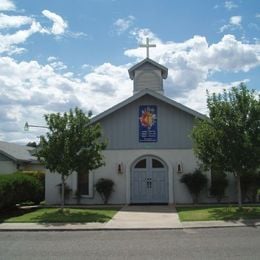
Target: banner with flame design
x,y
148,123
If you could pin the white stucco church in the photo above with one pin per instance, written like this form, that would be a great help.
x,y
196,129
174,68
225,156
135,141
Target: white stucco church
x,y
149,146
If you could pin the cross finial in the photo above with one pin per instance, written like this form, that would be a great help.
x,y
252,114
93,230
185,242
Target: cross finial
x,y
147,45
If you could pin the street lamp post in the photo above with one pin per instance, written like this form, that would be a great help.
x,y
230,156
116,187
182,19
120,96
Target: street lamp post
x,y
27,126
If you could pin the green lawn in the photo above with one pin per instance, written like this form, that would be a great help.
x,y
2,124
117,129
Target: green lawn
x,y
217,213
54,215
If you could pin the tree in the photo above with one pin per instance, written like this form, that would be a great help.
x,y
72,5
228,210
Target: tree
x,y
71,144
32,144
230,137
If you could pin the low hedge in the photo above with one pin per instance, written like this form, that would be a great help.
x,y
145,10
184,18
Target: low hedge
x,y
17,188
39,175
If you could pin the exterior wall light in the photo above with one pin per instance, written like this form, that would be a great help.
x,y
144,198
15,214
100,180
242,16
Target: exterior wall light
x,y
120,168
179,167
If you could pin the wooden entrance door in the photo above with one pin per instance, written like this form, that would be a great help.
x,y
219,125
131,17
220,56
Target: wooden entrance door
x,y
149,181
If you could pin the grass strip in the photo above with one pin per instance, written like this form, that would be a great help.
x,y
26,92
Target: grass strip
x,y
218,213
55,215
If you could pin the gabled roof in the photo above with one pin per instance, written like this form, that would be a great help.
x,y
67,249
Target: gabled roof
x,y
17,152
153,94
147,60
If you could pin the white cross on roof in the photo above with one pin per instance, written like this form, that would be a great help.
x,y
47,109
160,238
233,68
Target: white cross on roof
x,y
147,45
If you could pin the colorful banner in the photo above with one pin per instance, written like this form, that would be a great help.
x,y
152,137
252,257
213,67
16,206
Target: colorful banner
x,y
148,123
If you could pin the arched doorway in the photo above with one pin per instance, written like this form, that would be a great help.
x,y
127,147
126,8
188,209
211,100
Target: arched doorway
x,y
149,181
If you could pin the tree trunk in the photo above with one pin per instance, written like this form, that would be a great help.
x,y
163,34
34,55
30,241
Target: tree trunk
x,y
62,191
78,188
239,194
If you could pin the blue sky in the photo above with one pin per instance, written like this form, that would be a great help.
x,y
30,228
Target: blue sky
x,y
55,55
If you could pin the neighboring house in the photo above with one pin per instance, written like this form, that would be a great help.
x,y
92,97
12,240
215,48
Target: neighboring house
x,y
14,157
149,147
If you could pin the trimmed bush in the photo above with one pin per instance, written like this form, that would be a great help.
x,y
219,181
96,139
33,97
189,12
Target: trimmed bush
x,y
105,188
18,188
40,176
250,184
195,182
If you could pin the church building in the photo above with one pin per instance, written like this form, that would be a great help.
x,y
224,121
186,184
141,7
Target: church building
x,y
149,146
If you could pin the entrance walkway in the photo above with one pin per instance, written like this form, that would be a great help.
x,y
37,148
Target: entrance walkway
x,y
145,217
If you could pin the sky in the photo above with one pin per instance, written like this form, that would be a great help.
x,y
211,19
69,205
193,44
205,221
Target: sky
x,y
56,55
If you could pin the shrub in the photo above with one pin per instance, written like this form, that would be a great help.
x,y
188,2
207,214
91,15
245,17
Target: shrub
x,y
195,182
18,188
218,186
105,188
250,183
40,176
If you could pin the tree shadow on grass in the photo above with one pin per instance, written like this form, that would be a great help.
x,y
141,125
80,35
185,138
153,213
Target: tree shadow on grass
x,y
67,216
247,215
14,212
54,216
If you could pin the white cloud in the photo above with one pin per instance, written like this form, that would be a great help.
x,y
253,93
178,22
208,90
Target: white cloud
x,y
234,23
198,59
56,64
59,25
228,54
7,5
235,20
30,89
230,5
77,34
257,15
7,21
197,99
9,42
123,24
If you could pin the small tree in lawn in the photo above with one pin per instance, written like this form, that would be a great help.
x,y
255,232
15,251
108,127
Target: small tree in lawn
x,y
230,138
71,144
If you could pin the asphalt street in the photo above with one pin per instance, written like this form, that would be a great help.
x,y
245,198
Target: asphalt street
x,y
213,243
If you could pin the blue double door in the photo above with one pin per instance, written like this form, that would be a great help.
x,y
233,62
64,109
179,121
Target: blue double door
x,y
149,181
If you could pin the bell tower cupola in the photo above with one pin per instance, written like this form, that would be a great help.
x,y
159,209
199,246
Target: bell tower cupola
x,y
148,74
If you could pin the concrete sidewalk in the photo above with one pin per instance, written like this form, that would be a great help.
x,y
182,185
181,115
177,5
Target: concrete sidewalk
x,y
145,217
131,218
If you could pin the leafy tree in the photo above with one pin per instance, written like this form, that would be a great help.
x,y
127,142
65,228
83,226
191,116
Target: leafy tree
x,y
230,138
71,144
32,144
195,182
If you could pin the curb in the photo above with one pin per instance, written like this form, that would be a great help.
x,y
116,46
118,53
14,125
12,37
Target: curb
x,y
183,227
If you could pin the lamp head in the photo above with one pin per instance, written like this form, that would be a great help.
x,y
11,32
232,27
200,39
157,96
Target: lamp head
x,y
26,127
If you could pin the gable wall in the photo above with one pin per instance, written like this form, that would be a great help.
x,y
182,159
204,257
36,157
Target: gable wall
x,y
122,130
